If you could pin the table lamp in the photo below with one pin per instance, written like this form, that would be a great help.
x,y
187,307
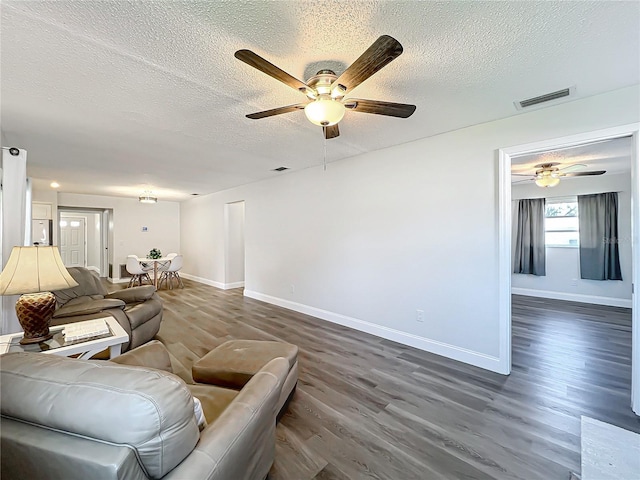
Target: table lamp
x,y
34,272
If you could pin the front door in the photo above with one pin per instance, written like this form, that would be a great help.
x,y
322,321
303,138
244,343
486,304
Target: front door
x,y
72,241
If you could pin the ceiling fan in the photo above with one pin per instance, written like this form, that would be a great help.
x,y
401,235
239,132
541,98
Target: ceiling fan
x,y
549,175
326,91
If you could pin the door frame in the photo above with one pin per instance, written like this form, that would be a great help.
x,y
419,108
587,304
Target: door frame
x,y
504,238
228,214
106,237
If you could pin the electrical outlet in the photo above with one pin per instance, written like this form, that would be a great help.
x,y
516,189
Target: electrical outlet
x,y
419,315
574,282
293,288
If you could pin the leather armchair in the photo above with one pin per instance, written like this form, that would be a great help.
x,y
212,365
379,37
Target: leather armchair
x,y
76,419
137,309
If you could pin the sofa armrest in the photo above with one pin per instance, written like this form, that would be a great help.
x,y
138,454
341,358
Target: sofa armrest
x,y
89,307
150,355
134,294
240,443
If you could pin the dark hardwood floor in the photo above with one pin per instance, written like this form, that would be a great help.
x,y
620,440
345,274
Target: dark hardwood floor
x,y
368,408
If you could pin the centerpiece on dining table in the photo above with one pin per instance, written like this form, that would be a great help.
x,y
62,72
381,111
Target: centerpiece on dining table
x,y
154,254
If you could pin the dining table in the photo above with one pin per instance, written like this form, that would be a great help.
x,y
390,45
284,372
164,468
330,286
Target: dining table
x,y
146,263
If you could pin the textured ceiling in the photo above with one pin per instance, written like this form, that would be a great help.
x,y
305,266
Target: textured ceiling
x,y
613,156
115,97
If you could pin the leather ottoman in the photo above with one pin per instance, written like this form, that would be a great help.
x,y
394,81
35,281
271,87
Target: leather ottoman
x,y
233,363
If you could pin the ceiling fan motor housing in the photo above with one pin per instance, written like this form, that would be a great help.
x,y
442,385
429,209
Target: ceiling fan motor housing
x,y
548,171
321,82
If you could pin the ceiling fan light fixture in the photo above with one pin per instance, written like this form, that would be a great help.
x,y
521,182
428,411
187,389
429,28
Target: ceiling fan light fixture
x,y
547,181
147,198
324,111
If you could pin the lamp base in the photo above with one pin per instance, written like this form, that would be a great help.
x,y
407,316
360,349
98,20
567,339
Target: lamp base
x,y
34,312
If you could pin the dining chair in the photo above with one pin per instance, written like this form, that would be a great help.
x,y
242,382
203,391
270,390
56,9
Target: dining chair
x,y
164,266
136,271
171,272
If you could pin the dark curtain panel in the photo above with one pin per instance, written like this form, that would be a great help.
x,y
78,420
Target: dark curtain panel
x,y
599,255
530,250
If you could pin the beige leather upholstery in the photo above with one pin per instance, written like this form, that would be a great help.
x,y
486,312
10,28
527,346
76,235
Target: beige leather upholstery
x,y
148,410
138,310
235,362
74,419
152,355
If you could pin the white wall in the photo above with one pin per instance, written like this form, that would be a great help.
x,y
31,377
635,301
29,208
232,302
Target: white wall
x,y
563,264
380,235
48,196
234,238
162,220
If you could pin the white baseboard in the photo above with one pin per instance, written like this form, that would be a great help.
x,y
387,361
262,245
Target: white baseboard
x,y
94,269
119,280
573,297
433,346
206,281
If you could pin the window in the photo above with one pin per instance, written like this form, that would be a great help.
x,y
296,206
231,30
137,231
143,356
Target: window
x,y
561,222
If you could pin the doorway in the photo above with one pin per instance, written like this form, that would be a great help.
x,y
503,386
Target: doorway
x,y
234,245
84,238
505,240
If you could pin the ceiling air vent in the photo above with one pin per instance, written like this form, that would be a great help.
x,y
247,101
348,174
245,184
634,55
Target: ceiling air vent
x,y
280,169
547,97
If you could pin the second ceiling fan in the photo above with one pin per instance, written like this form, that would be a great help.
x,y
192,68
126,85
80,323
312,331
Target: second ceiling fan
x,y
549,174
326,91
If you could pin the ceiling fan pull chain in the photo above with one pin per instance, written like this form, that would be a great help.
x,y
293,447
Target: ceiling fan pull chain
x,y
325,154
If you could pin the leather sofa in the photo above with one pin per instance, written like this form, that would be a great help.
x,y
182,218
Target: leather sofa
x,y
137,309
72,419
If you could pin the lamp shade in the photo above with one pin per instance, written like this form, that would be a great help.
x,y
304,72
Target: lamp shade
x,y
324,111
33,270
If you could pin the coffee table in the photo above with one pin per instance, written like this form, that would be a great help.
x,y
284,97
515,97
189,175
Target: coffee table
x,y
56,345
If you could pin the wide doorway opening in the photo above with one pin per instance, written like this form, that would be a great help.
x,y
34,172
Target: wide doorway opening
x,y
506,239
84,238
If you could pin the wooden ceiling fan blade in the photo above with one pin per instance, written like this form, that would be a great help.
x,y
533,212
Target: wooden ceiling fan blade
x,y
383,51
259,63
401,110
585,174
276,111
331,132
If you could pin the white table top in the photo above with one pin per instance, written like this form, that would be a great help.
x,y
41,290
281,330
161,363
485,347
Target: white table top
x,y
153,260
55,345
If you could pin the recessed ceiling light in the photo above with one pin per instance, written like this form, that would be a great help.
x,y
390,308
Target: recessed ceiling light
x,y
55,185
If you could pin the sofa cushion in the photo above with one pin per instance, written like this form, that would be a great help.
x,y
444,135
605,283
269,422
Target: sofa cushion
x,y
233,363
88,284
74,308
134,294
148,410
214,400
140,313
151,355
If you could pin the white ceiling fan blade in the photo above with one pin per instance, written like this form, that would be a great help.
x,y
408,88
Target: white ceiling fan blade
x,y
571,168
522,181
